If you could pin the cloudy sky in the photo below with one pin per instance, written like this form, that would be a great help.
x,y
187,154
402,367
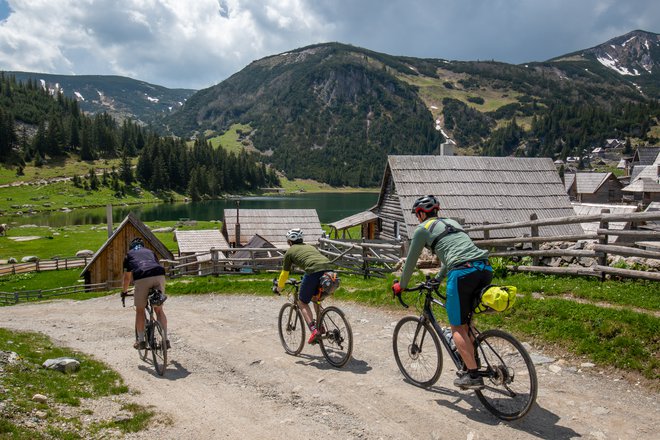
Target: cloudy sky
x,y
198,43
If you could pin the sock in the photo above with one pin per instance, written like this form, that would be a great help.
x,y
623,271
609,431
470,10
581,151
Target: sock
x,y
165,334
140,336
473,374
312,326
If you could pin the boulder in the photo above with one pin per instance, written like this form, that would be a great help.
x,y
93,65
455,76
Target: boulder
x,y
30,259
85,253
65,365
39,398
165,229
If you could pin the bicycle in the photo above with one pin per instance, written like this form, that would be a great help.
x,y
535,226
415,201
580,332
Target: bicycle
x,y
154,336
506,367
336,341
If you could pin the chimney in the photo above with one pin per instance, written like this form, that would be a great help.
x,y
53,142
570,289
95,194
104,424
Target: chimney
x,y
238,223
108,214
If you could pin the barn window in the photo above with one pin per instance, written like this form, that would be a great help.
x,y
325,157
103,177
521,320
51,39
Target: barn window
x,y
397,231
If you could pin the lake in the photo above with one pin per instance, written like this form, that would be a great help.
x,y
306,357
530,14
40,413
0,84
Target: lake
x,y
330,207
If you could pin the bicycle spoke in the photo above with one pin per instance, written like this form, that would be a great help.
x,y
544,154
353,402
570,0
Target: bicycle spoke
x,y
417,351
337,337
291,329
510,377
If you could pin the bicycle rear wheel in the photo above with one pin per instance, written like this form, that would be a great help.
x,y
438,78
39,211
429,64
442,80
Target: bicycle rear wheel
x,y
511,385
291,329
336,336
417,351
158,347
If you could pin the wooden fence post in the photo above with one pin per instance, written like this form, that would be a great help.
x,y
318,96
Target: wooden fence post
x,y
535,233
365,263
603,239
36,265
214,259
486,232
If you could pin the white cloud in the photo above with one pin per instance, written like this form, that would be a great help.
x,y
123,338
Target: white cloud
x,y
197,43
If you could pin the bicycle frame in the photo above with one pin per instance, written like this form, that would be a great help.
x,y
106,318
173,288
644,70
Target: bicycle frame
x,y
429,287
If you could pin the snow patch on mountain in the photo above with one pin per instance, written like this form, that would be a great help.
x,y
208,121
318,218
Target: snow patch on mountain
x,y
614,65
79,96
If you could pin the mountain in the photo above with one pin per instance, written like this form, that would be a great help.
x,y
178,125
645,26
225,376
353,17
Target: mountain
x,y
633,58
119,96
331,112
334,112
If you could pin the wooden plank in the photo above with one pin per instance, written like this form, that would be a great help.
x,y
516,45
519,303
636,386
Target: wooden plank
x,y
504,241
556,270
627,251
546,253
628,273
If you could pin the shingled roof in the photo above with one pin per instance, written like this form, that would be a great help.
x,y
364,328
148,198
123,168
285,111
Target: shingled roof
x,y
192,242
483,189
272,224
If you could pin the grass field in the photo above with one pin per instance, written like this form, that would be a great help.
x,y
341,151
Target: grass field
x,y
24,379
61,167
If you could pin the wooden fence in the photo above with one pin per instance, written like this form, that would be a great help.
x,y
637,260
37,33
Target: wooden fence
x,y
601,250
42,265
226,261
8,298
366,258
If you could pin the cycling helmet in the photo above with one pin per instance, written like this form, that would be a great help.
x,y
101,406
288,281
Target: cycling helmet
x,y
136,243
426,204
294,234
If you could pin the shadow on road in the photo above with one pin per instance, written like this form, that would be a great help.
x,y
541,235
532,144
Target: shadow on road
x,y
355,366
539,422
174,371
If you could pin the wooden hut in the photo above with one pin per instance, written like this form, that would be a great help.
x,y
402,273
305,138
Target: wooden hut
x,y
473,190
241,225
367,220
593,187
107,264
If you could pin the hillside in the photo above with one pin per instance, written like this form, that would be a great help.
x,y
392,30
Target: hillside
x,y
118,96
344,108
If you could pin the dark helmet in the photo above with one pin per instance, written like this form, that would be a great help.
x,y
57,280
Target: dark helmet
x,y
426,204
136,243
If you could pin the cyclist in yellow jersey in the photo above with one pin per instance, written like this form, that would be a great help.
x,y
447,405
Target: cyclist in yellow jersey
x,y
314,264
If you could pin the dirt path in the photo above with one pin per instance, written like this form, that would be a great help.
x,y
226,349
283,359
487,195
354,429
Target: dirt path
x,y
230,378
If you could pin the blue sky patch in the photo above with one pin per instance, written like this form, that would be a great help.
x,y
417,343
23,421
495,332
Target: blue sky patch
x,y
4,9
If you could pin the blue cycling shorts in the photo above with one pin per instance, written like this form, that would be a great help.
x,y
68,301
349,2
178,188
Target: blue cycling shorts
x,y
309,286
463,285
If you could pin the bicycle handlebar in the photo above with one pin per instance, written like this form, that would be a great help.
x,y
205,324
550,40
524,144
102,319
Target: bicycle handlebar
x,y
291,281
429,284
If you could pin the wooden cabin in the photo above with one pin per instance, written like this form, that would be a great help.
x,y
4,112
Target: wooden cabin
x,y
271,224
593,187
473,190
367,220
107,264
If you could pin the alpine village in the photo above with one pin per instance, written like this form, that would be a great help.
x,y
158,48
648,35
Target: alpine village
x,y
553,167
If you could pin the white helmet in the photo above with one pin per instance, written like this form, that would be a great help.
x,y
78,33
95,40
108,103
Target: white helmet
x,y
294,234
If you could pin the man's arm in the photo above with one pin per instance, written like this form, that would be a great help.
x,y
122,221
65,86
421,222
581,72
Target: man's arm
x,y
416,247
128,277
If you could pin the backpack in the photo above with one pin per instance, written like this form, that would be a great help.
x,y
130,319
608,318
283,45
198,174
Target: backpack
x,y
495,299
328,283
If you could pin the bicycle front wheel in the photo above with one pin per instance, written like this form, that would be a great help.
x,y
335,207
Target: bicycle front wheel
x,y
511,383
291,328
417,351
336,336
158,347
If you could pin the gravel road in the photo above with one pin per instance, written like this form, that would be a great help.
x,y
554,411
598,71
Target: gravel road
x,y
229,377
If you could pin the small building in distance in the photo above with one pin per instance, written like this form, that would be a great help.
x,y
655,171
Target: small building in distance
x,y
271,224
593,187
107,264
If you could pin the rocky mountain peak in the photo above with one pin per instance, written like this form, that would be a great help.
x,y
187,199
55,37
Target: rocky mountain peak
x,y
636,53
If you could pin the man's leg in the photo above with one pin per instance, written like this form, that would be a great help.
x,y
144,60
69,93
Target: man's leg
x,y
464,344
139,323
